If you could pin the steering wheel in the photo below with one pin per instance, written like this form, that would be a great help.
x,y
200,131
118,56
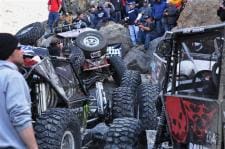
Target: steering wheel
x,y
202,80
215,74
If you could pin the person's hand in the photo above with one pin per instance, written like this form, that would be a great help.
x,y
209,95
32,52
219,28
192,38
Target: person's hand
x,y
141,26
165,13
136,21
126,18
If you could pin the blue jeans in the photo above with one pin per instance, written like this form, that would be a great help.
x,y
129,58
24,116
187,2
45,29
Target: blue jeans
x,y
159,27
53,19
148,38
133,33
117,16
166,26
141,37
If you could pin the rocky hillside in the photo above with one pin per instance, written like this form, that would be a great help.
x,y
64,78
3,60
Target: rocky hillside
x,y
199,13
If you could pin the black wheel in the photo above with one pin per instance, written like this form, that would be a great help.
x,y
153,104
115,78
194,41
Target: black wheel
x,y
91,41
123,134
147,96
122,102
131,79
118,68
77,57
202,80
58,128
30,33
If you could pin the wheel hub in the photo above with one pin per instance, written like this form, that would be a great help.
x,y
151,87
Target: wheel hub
x,y
67,141
91,41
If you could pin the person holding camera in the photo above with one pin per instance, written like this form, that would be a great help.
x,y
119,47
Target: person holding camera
x,y
147,31
109,8
117,14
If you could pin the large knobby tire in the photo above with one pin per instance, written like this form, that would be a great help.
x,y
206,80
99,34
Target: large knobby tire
x,y
118,68
131,79
29,34
91,41
123,134
57,126
122,102
147,96
77,57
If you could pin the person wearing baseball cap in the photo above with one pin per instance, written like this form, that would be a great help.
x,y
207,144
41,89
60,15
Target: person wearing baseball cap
x,y
16,130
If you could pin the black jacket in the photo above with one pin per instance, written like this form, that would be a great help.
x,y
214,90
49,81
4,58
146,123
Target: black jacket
x,y
172,16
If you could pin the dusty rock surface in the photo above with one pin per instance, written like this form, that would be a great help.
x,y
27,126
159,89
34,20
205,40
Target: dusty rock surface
x,y
137,59
117,33
199,13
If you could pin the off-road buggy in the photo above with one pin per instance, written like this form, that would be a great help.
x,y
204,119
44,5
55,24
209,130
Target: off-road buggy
x,y
60,95
191,103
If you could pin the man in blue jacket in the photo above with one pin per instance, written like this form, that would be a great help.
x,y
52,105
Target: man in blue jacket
x,y
158,8
16,130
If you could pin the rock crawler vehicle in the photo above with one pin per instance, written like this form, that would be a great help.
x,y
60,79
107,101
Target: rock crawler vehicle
x,y
191,104
66,105
62,107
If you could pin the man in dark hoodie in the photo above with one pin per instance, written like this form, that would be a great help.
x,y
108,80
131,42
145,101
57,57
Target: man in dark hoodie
x,y
16,130
101,16
170,16
118,10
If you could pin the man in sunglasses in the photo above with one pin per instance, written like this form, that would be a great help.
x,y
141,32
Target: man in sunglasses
x,y
16,130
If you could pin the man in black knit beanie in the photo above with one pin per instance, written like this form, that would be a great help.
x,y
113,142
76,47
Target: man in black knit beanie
x,y
16,130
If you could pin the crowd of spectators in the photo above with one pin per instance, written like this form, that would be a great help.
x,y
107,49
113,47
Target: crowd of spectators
x,y
145,19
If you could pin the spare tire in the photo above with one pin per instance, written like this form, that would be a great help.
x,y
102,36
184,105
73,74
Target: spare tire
x,y
91,41
29,34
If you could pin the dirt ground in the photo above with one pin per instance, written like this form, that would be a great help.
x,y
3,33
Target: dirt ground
x,y
15,14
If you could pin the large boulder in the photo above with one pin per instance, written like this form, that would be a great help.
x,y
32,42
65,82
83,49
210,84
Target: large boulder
x,y
137,59
199,13
153,44
117,33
